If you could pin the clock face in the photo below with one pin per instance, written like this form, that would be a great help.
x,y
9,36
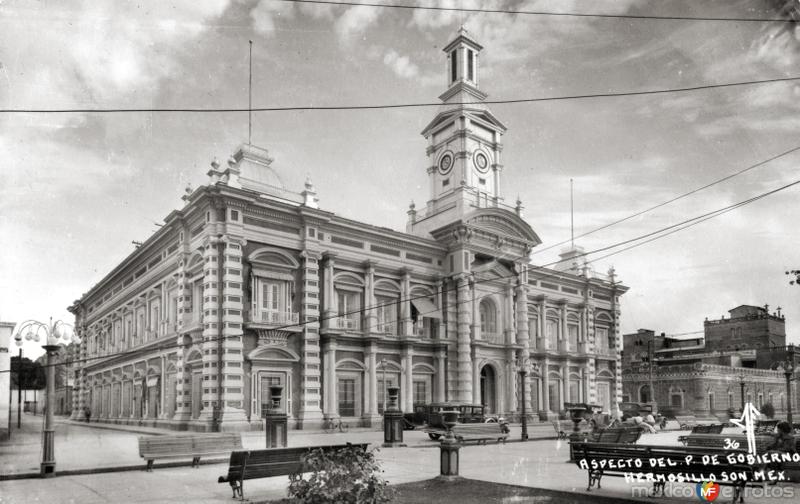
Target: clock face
x,y
445,163
481,162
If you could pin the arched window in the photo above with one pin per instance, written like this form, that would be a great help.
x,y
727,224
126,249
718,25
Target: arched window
x,y
488,315
644,394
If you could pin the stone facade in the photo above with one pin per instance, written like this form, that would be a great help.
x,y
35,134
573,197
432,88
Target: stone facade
x,y
250,284
738,356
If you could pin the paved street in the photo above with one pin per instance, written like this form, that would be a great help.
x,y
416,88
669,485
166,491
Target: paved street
x,y
541,463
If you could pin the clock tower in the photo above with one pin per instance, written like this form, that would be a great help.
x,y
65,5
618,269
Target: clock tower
x,y
464,144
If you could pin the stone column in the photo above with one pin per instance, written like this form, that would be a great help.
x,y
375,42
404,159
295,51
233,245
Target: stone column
x,y
522,334
476,379
565,381
330,405
408,378
562,326
508,317
463,350
542,321
372,379
406,327
546,385
512,381
370,314
329,310
310,394
440,392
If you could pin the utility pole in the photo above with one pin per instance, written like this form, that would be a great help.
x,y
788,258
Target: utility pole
x,y
19,390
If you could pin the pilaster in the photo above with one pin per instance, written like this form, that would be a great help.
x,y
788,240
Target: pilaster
x,y
231,346
311,398
464,358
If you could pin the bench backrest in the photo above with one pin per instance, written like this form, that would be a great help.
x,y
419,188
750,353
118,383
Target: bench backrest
x,y
477,428
251,464
189,444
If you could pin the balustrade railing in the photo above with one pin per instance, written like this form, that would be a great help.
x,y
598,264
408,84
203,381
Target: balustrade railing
x,y
276,317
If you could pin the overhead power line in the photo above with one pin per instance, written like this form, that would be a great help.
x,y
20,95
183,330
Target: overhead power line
x,y
207,110
546,13
672,200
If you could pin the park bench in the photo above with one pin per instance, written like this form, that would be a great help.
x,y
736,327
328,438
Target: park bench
x,y
617,435
254,464
480,432
595,458
703,429
765,426
193,445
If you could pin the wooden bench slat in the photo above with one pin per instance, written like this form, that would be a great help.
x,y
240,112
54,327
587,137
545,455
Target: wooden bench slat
x,y
195,446
254,464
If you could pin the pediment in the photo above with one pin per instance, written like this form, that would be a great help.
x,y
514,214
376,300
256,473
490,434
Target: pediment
x,y
476,113
502,223
493,270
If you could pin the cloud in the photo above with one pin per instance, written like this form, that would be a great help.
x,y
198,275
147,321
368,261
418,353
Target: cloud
x,y
265,12
355,21
400,65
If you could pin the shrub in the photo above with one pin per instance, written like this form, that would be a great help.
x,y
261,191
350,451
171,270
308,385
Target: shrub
x,y
768,410
348,476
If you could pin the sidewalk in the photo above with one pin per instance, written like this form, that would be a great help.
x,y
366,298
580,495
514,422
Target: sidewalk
x,y
541,464
82,447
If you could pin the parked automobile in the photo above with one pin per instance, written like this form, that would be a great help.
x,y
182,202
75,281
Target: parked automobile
x,y
430,417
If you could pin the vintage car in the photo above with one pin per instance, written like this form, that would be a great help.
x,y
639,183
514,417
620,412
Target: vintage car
x,y
430,416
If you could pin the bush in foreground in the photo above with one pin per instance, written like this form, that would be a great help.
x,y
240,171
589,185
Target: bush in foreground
x,y
348,476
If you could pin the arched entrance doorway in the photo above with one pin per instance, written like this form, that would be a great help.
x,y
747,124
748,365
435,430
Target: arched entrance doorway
x,y
489,389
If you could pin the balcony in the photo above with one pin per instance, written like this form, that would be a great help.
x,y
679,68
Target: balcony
x,y
389,329
276,317
345,323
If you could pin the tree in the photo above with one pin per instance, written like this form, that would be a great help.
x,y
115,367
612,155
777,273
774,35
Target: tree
x,y
768,410
33,374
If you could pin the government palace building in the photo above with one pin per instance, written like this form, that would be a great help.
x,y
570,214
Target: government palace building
x,y
250,285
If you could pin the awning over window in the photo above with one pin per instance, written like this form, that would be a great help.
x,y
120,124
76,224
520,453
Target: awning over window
x,y
426,308
152,381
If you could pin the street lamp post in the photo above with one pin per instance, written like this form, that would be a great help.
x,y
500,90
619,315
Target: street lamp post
x,y
18,341
54,332
383,377
788,366
523,367
741,388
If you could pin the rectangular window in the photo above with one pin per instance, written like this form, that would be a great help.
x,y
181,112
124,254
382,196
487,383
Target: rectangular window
x,y
601,339
552,334
388,309
453,65
347,397
273,302
470,66
574,391
420,392
572,330
349,306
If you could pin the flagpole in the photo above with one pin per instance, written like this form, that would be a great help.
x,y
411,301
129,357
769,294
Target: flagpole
x,y
250,98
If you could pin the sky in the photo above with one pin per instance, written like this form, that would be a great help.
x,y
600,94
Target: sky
x,y
77,189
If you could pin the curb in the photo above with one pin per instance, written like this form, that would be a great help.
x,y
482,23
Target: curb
x,y
99,470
